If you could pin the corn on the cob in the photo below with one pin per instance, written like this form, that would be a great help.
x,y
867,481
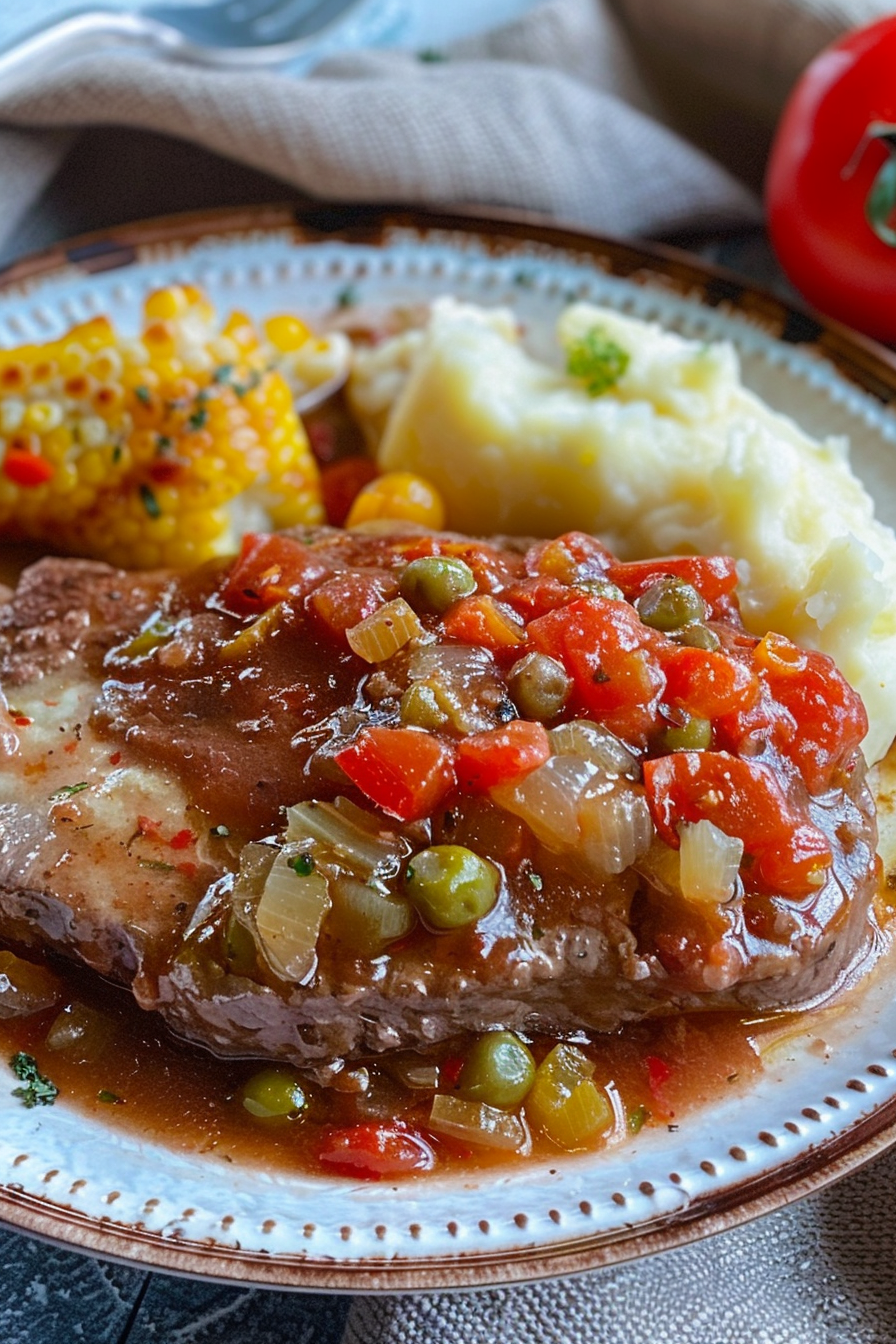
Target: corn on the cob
x,y
161,450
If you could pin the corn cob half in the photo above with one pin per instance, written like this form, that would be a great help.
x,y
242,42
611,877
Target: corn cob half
x,y
162,450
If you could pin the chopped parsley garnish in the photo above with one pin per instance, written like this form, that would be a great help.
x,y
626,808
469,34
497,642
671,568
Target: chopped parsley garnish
x,y
347,297
222,373
143,394
409,873
156,865
637,1118
163,444
537,931
537,881
431,56
109,1098
117,452
303,864
68,790
220,831
36,1090
597,360
150,503
198,419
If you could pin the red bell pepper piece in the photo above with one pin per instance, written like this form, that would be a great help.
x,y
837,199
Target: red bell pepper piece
x,y
481,620
270,569
373,1151
406,772
501,755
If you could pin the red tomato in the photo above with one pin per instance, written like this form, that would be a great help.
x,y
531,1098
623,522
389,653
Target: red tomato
x,y
608,653
825,719
481,620
743,799
26,468
373,1151
268,570
714,576
348,598
831,183
405,771
705,683
340,482
504,754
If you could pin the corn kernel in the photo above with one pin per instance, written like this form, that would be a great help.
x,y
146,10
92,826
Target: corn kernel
x,y
286,333
12,413
43,416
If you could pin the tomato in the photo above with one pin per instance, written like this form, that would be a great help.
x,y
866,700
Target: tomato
x,y
268,570
373,1151
25,468
705,683
714,577
348,598
481,620
405,771
504,754
744,799
608,653
340,483
574,558
831,182
825,719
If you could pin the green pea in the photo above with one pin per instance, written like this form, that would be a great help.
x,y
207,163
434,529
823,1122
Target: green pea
x,y
274,1096
669,604
601,588
698,636
435,582
695,735
420,707
539,686
451,886
499,1070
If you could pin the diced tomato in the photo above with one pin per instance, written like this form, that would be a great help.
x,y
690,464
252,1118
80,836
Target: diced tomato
x,y
534,597
714,577
270,569
482,620
571,558
348,598
492,569
182,839
610,656
340,482
658,1072
706,683
406,772
450,1071
825,720
745,800
25,468
501,755
373,1151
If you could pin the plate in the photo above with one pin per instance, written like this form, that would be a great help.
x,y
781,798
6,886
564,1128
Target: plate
x,y
826,1102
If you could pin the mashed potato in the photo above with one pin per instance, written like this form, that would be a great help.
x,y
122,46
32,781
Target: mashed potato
x,y
675,456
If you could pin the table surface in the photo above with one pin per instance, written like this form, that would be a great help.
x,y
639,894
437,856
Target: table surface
x,y
51,1295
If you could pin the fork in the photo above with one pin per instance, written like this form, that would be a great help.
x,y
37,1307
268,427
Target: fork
x,y
229,33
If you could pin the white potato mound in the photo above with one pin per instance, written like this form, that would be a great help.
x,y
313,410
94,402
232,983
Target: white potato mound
x,y
676,456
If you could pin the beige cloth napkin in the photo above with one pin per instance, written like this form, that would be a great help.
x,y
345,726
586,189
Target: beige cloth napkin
x,y
568,111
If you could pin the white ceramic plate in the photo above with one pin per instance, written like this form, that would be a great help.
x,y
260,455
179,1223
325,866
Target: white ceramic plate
x,y
825,1103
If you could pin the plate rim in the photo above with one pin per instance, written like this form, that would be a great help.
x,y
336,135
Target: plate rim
x,y
871,365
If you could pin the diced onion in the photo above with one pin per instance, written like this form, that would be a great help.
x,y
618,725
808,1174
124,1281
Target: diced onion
x,y
289,916
710,860
343,829
391,626
25,988
616,829
547,799
581,737
368,919
477,1123
416,1075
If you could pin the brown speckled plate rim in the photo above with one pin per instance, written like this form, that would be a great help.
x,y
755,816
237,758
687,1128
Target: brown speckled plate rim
x,y
866,363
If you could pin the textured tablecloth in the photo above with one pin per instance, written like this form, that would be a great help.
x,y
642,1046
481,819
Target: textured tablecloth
x,y
664,84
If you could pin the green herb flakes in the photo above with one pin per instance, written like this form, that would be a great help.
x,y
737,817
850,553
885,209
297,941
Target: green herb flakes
x,y
198,419
156,865
143,394
536,880
303,864
36,1090
150,503
109,1098
597,360
67,791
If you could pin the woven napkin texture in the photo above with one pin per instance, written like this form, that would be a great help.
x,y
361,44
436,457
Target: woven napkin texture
x,y
598,112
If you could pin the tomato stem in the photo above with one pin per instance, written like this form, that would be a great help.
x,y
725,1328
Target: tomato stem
x,y
881,199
